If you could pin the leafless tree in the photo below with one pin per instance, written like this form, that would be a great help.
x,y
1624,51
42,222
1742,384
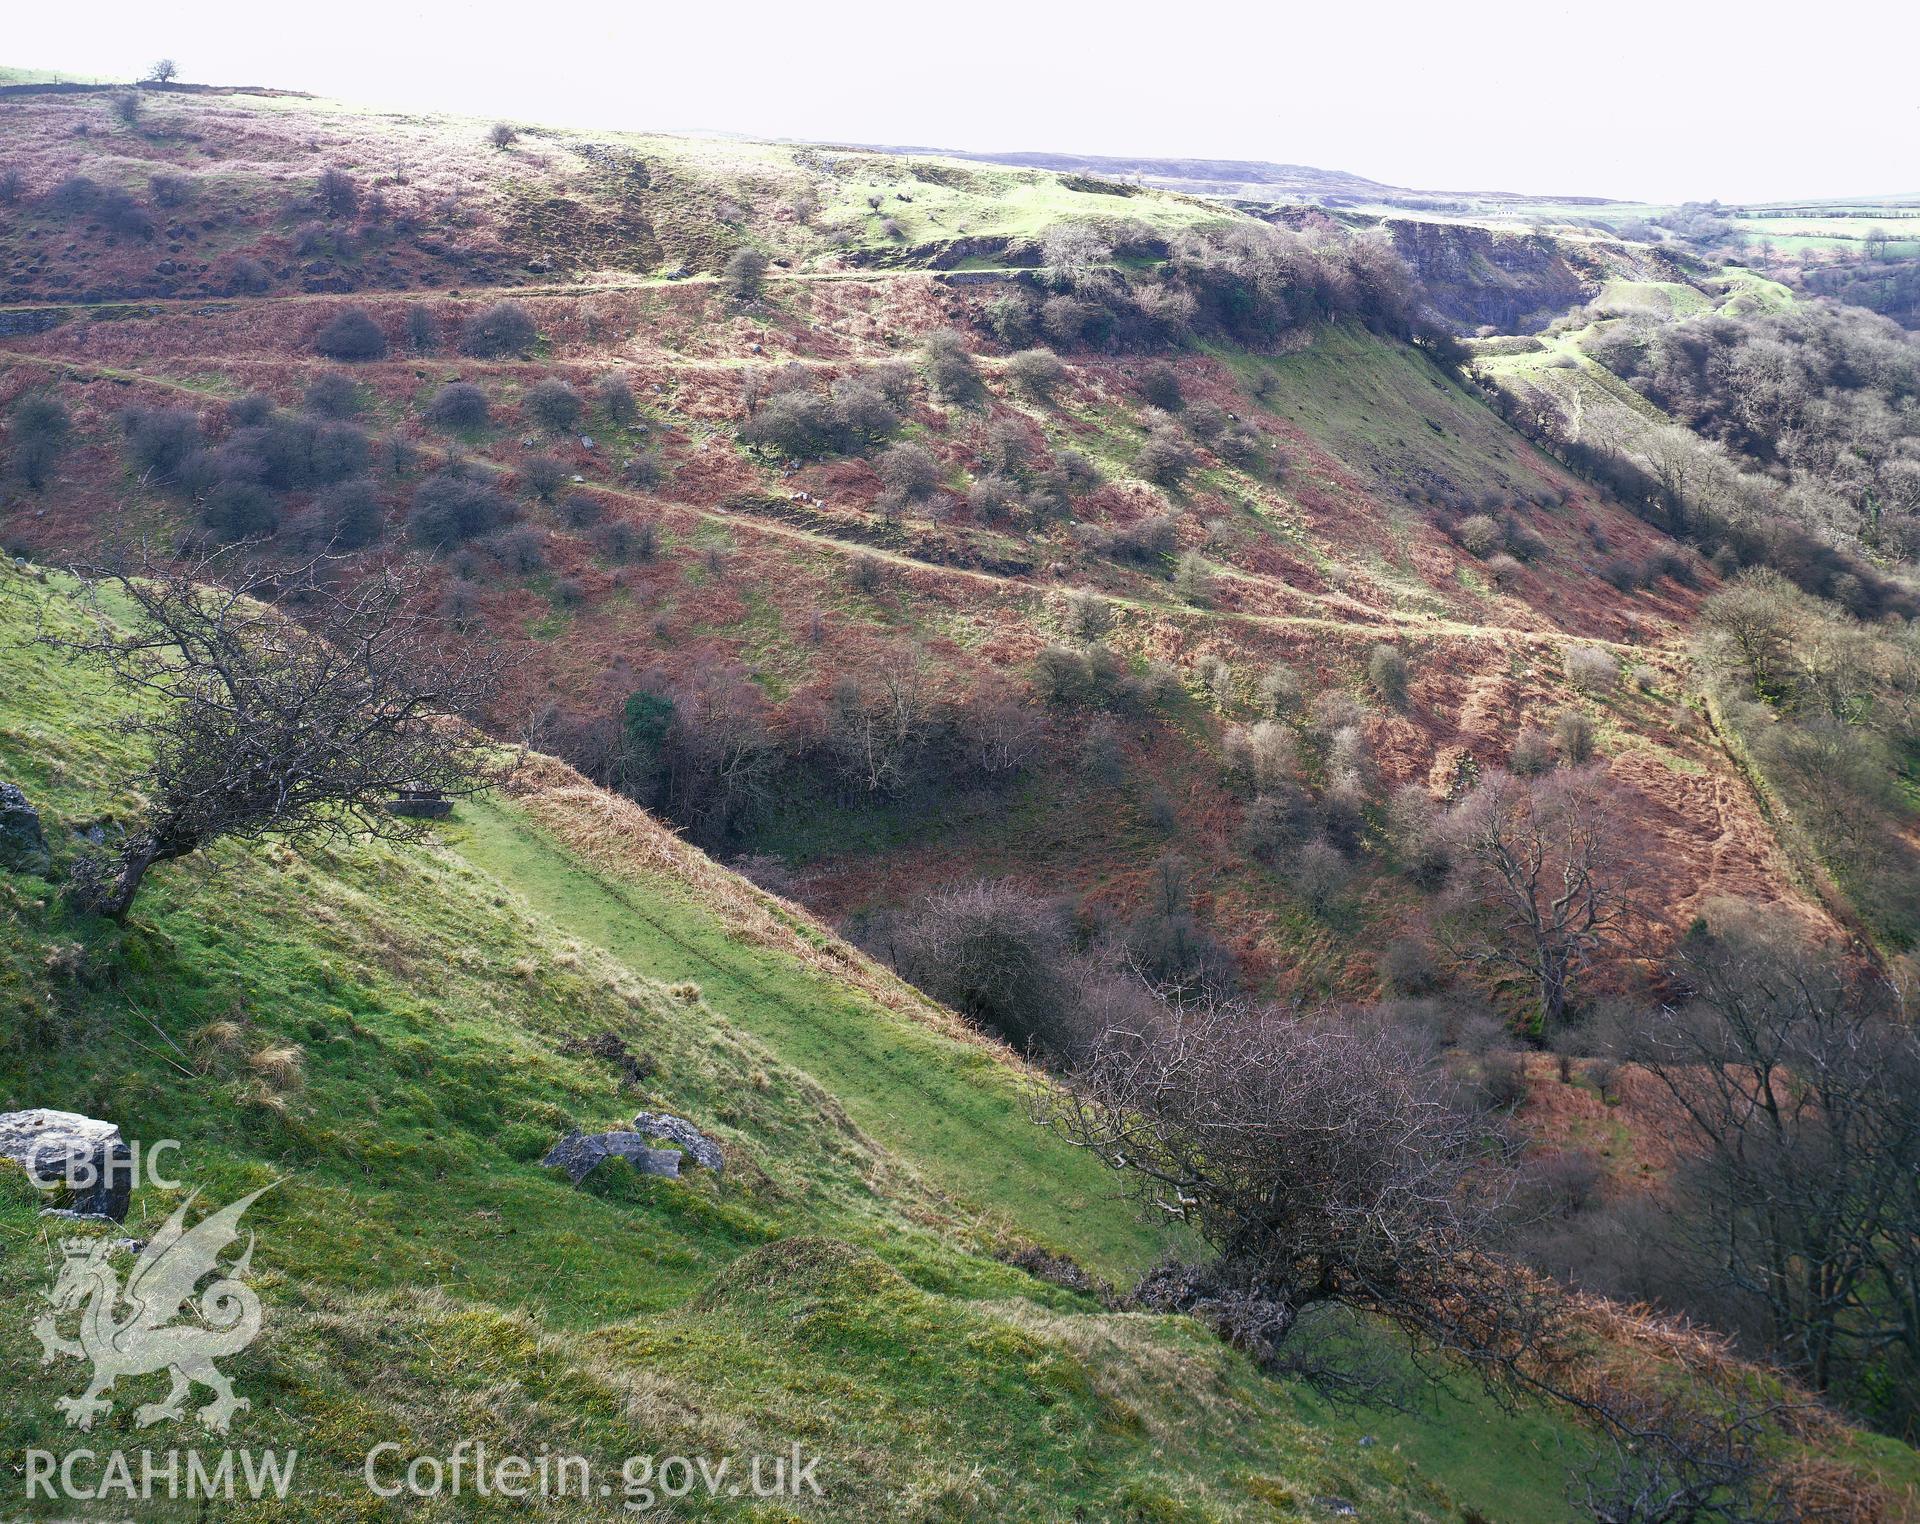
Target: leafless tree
x,y
1002,733
996,954
1544,887
1323,1165
1672,1461
258,724
1799,1086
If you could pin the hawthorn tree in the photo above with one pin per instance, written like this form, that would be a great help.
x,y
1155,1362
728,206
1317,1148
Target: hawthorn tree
x,y
257,724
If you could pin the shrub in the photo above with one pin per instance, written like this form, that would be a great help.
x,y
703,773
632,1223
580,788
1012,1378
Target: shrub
x,y
337,193
37,430
246,276
910,470
505,328
347,515
616,400
862,411
995,955
423,328
1645,677
645,470
553,404
1087,616
794,423
1081,474
1505,569
1276,823
351,335
1532,753
160,440
580,510
171,190
1573,736
993,497
1279,689
1591,669
1387,675
1319,874
502,135
122,214
1624,573
1165,458
451,507
745,274
951,371
543,476
866,574
1006,446
128,106
622,540
1208,421
1409,968
1160,385
521,549
13,185
333,396
458,405
1261,755
240,510
1036,372
1480,534
76,193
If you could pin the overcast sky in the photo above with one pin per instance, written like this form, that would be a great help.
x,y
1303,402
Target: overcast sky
x,y
1665,101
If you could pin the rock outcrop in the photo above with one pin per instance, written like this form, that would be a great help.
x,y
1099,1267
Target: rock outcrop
x,y
64,1147
23,845
580,1153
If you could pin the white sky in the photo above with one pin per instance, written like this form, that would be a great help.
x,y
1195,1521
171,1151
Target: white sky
x,y
1627,98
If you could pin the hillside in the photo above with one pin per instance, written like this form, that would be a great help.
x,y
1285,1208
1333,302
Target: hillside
x,y
396,1036
875,536
1315,528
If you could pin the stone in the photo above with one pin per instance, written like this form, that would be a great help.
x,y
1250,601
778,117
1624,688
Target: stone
x,y
23,845
700,1148
580,1153
55,1146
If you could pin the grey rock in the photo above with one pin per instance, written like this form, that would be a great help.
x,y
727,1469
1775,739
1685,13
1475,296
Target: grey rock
x,y
580,1153
700,1148
23,845
56,1146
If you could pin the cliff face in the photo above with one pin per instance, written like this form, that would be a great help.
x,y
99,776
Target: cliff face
x,y
1517,282
1514,282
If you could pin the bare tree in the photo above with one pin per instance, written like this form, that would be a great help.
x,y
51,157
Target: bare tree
x,y
1675,1462
163,71
1544,880
258,724
1322,1164
1799,1086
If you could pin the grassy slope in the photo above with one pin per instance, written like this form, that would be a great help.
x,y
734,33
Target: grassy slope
x,y
425,1279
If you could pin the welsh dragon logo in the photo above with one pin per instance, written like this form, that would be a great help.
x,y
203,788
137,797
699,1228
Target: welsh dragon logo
x,y
134,1332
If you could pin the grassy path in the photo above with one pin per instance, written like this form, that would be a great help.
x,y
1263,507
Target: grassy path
x,y
952,1109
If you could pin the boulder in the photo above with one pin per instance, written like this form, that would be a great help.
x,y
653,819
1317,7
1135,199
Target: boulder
x,y
57,1146
579,1154
700,1148
23,845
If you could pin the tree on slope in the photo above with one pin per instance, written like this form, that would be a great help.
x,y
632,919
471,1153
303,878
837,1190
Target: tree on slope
x,y
259,725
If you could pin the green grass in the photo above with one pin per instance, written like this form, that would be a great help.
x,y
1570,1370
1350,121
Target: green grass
x,y
957,1110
